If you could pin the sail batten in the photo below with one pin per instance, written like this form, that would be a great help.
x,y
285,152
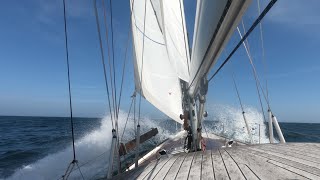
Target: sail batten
x,y
158,78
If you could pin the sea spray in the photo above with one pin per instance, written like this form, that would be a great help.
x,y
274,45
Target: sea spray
x,y
228,121
92,151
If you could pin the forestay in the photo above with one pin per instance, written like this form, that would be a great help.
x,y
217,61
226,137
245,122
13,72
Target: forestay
x,y
160,53
215,22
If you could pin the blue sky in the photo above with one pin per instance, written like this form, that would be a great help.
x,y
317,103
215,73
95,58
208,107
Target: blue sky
x,y
33,76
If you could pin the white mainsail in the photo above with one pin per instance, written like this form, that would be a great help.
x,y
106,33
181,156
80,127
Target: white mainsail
x,y
160,53
215,22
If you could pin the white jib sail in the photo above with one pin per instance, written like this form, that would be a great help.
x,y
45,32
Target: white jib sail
x,y
157,69
215,22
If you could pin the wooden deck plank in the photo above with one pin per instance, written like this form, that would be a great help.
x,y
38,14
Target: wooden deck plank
x,y
157,168
164,170
133,174
231,166
184,170
265,161
289,162
302,151
220,171
286,151
151,168
277,156
247,172
172,173
294,169
196,167
259,165
207,167
302,148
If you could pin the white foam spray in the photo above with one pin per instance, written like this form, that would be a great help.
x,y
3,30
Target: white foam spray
x,y
91,150
229,123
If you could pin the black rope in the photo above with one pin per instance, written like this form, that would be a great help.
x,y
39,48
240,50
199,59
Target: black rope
x,y
68,67
256,22
102,59
74,161
144,29
225,11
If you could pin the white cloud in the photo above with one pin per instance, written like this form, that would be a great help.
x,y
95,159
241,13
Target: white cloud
x,y
295,13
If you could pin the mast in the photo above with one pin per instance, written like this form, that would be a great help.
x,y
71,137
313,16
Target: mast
x,y
214,24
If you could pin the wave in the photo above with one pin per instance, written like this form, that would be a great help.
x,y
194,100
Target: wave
x,y
92,152
229,122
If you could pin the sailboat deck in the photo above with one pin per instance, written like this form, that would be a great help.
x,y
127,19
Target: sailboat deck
x,y
267,161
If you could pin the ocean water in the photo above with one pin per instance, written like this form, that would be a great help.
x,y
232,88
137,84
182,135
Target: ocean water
x,y
40,147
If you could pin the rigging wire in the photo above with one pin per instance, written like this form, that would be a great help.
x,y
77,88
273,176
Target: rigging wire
x,y
109,59
125,58
144,29
238,94
253,26
69,83
74,161
258,84
114,69
263,53
103,60
125,125
255,74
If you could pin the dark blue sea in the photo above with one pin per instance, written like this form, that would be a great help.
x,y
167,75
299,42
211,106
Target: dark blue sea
x,y
40,147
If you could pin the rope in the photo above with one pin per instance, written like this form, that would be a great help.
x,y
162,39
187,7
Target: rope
x,y
125,125
69,84
125,58
254,73
256,22
74,161
225,11
144,29
103,60
80,170
115,88
263,53
238,94
109,59
114,69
